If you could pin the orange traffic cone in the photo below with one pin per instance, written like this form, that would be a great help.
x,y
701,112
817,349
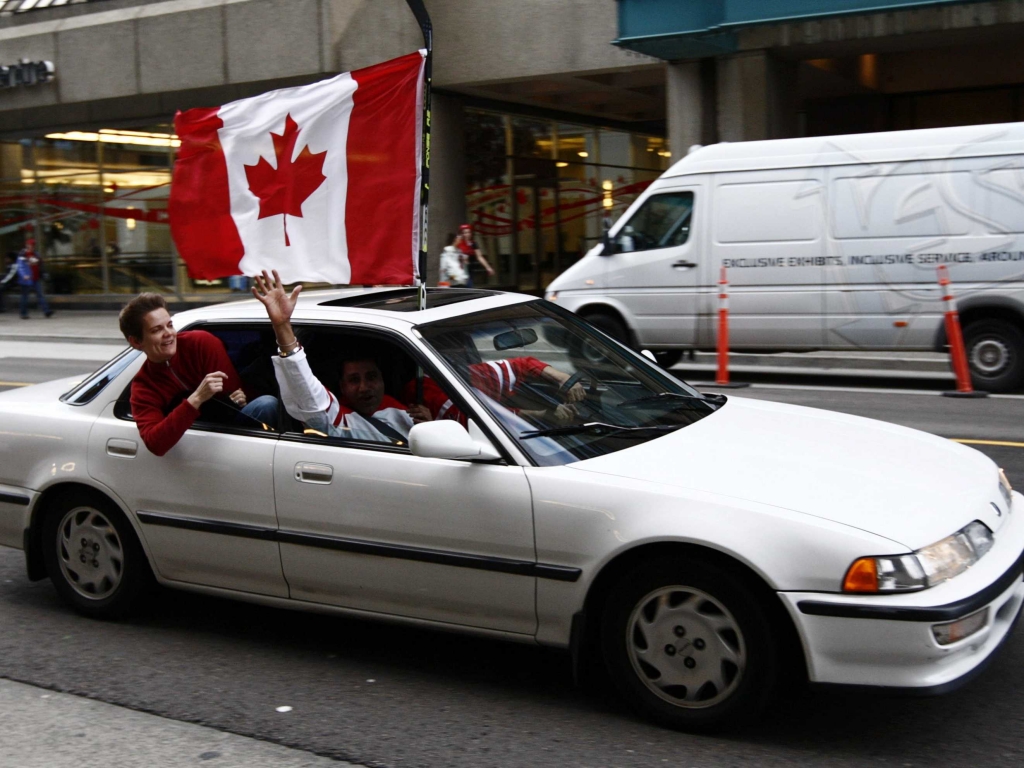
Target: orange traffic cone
x,y
722,376
957,351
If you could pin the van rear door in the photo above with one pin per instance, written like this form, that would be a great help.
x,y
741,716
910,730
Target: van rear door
x,y
655,272
893,223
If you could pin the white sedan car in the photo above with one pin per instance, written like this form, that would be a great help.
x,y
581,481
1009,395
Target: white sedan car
x,y
694,546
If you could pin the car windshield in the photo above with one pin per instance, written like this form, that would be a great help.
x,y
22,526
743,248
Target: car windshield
x,y
563,390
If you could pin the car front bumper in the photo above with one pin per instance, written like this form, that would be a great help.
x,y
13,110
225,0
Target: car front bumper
x,y
888,641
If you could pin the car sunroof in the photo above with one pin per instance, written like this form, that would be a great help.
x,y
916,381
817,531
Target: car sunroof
x,y
407,299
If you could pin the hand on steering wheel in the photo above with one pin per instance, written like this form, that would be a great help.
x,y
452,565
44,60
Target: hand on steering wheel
x,y
572,390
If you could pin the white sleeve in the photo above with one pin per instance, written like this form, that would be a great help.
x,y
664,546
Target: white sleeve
x,y
305,398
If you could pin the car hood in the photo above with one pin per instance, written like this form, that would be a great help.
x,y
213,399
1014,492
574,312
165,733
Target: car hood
x,y
908,486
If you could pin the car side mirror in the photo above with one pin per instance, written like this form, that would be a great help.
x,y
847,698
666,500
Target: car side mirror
x,y
447,439
609,245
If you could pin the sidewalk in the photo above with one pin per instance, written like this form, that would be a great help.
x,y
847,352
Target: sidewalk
x,y
65,326
42,729
100,327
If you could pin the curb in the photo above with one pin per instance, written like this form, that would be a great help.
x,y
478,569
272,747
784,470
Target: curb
x,y
831,370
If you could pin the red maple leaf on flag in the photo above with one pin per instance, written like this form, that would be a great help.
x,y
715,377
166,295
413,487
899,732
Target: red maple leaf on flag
x,y
284,189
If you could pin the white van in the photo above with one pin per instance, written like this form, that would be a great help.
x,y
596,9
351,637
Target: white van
x,y
829,243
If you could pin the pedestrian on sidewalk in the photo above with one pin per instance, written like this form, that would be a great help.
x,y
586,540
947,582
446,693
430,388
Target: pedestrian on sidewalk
x,y
30,277
10,273
474,256
453,264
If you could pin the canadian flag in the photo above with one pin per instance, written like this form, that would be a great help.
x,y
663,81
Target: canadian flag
x,y
320,182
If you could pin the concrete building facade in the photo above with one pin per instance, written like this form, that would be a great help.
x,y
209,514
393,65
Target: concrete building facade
x,y
549,115
541,128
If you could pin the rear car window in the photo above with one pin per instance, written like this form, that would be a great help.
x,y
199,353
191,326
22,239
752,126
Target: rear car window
x,y
88,388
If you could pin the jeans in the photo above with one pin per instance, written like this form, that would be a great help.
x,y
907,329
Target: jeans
x,y
37,286
263,408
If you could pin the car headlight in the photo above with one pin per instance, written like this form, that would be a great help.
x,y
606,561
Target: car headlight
x,y
924,568
1006,489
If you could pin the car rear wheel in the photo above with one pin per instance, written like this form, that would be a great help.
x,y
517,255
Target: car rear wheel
x,y
93,556
995,355
687,645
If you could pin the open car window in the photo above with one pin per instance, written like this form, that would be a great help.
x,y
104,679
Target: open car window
x,y
354,364
562,389
250,348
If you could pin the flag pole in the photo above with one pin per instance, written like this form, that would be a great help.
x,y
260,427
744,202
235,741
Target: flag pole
x,y
420,12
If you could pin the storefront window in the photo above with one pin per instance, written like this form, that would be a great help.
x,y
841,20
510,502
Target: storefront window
x,y
488,197
96,204
560,186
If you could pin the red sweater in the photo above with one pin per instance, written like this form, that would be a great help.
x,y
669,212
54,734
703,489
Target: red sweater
x,y
496,379
159,390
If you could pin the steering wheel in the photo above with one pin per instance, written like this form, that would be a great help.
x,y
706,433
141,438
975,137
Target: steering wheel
x,y
570,382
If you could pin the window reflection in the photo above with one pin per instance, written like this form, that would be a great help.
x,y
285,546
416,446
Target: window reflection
x,y
96,203
541,193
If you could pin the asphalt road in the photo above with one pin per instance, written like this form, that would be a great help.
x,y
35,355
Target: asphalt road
x,y
376,694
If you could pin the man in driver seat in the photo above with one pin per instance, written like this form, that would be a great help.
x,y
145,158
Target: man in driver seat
x,y
502,380
364,412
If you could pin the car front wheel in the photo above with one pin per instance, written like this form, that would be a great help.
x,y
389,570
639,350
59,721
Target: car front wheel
x,y
687,645
93,556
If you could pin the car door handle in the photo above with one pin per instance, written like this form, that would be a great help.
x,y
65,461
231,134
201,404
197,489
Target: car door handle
x,y
683,264
125,449
320,474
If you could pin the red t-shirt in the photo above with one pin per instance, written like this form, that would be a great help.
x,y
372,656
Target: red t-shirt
x,y
159,390
469,248
496,379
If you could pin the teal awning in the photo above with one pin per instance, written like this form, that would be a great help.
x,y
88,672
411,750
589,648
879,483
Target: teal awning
x,y
688,29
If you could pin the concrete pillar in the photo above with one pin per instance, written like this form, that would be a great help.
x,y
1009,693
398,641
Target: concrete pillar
x,y
685,107
756,97
447,176
690,107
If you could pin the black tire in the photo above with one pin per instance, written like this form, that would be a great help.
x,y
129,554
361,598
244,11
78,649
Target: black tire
x,y
86,524
668,357
610,325
717,631
995,355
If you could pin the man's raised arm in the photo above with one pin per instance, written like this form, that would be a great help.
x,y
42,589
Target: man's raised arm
x,y
305,398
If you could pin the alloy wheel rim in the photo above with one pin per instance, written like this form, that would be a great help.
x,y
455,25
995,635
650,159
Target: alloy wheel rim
x,y
686,647
989,356
90,552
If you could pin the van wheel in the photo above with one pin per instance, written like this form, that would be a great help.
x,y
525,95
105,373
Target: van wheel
x,y
688,645
668,357
995,355
610,325
92,555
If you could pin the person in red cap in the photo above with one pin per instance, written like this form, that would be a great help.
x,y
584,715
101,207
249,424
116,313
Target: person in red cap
x,y
468,246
